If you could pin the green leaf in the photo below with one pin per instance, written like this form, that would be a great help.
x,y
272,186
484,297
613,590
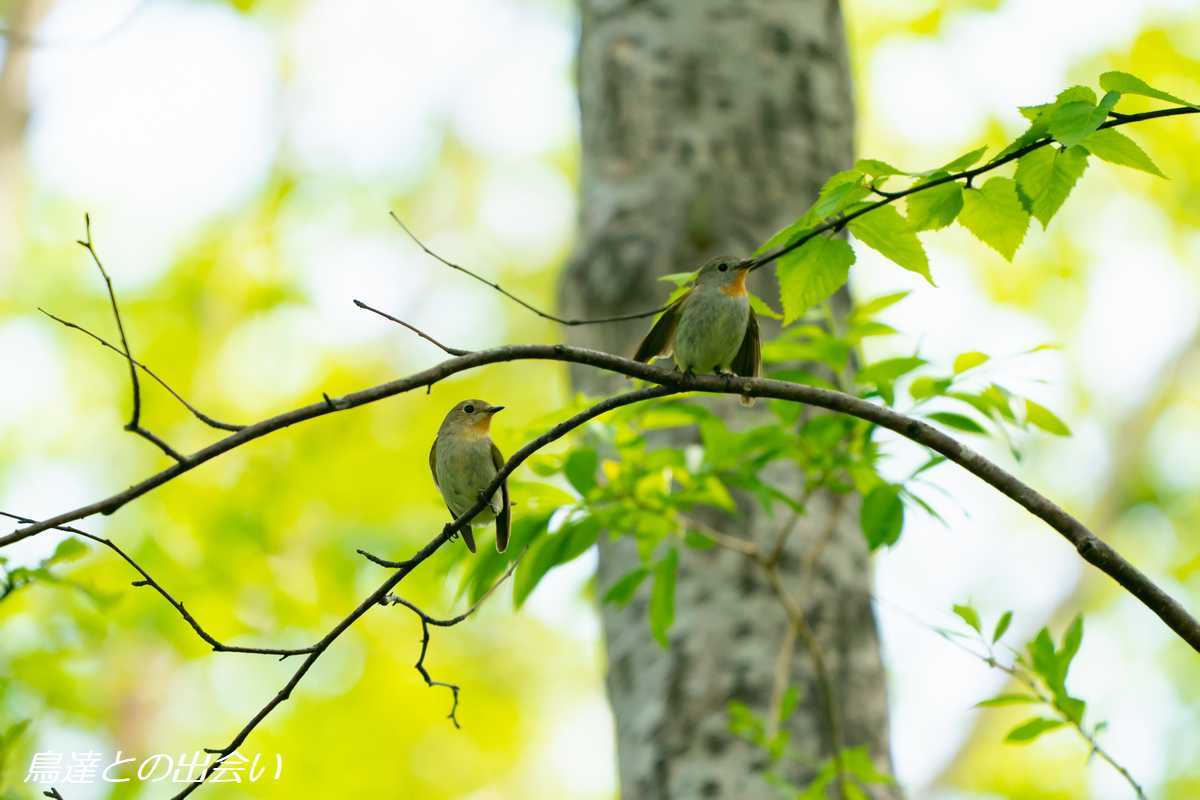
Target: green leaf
x,y
580,469
566,544
1070,645
957,421
787,705
1125,83
810,275
1007,700
963,161
1001,626
968,360
1070,123
1031,729
662,596
969,615
889,369
1044,418
877,169
1045,177
679,278
887,232
842,190
67,550
882,515
927,386
995,215
762,308
1117,148
621,592
872,307
934,208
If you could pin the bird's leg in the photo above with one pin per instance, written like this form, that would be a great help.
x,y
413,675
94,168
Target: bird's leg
x,y
727,376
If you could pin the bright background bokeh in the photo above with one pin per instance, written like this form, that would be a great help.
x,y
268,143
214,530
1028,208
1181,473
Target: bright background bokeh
x,y
239,159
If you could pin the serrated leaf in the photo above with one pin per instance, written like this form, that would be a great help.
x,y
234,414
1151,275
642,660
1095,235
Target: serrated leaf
x,y
1031,729
1045,177
621,592
885,231
580,469
882,515
1037,414
934,208
1007,700
1117,148
1001,626
968,360
662,596
995,215
969,615
877,169
843,189
1071,123
959,422
1125,83
810,275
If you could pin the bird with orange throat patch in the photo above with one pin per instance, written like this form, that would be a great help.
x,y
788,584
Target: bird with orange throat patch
x,y
711,328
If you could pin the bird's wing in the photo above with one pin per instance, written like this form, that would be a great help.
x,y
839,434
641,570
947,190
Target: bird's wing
x,y
661,338
433,461
748,361
503,517
467,537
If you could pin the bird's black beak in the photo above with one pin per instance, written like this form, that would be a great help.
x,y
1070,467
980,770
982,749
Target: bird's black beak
x,y
493,409
746,264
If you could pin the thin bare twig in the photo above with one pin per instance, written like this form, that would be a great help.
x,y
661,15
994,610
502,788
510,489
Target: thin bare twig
x,y
148,580
427,621
451,351
134,424
513,297
197,413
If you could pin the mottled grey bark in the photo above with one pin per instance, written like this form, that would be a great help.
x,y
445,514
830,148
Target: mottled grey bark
x,y
707,125
22,18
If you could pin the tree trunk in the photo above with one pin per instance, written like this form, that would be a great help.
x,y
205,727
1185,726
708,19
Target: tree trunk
x,y
19,26
707,125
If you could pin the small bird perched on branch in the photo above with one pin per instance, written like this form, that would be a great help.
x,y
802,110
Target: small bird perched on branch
x,y
464,461
711,328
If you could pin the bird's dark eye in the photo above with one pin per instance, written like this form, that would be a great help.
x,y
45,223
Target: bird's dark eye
x,y
470,409
723,267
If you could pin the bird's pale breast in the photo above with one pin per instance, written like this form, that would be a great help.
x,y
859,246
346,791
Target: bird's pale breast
x,y
464,469
711,327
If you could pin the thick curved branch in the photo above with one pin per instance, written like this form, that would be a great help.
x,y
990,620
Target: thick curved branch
x,y
1094,550
381,595
148,580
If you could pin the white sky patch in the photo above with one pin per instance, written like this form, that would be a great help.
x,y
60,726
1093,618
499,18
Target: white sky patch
x,y
581,750
530,209
374,82
269,359
42,488
157,128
